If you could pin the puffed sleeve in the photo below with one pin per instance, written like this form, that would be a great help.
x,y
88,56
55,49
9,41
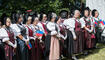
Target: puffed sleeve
x,y
82,22
51,27
71,23
66,23
16,29
71,26
4,35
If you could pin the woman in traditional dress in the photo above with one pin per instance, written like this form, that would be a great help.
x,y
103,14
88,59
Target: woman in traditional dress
x,y
27,21
88,30
78,43
63,36
63,16
39,55
42,23
74,35
70,25
52,39
22,38
10,46
97,25
3,37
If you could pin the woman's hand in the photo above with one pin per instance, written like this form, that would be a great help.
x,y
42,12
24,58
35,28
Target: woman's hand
x,y
27,42
15,46
74,37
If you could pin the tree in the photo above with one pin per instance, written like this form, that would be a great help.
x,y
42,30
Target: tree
x,y
9,6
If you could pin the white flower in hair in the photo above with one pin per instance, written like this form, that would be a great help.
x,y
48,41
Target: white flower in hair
x,y
44,15
38,15
54,15
29,18
36,18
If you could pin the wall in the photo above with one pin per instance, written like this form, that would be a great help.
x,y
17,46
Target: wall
x,y
99,5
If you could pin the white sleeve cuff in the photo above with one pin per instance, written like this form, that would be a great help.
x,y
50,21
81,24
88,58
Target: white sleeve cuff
x,y
74,35
88,30
17,34
82,26
71,29
5,39
31,38
24,39
53,32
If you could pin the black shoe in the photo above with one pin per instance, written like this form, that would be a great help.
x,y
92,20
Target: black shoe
x,y
85,53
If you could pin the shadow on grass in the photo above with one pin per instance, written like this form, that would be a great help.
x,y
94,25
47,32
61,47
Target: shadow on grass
x,y
93,51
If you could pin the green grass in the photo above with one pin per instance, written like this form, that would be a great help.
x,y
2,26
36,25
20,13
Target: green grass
x,y
96,54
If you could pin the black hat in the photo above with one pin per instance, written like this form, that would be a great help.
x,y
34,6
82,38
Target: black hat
x,y
63,14
93,12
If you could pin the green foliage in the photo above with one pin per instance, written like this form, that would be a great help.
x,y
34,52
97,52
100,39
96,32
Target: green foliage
x,y
8,6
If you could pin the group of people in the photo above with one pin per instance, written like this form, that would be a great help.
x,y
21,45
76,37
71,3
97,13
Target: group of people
x,y
63,35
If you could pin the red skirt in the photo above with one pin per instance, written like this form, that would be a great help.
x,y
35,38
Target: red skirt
x,y
9,52
39,54
78,43
90,42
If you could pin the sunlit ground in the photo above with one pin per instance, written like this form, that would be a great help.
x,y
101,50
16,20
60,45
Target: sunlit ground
x,y
96,54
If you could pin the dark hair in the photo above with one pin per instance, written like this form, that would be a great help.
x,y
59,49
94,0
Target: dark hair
x,y
73,12
3,17
4,21
17,16
88,9
63,14
51,15
13,17
1,22
56,19
41,17
93,12
25,18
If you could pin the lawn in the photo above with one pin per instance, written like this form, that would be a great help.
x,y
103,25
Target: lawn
x,y
96,54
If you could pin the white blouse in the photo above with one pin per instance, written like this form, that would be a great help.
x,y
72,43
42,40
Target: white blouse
x,y
4,35
34,29
17,29
70,23
51,26
97,19
29,26
83,23
41,26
